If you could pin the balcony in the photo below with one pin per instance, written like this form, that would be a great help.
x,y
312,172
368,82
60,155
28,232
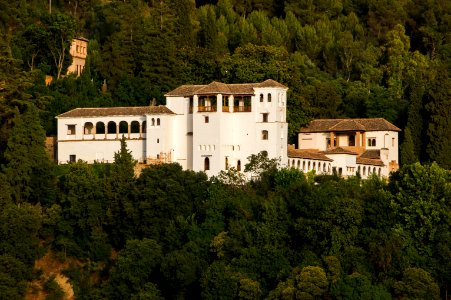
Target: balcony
x,y
206,108
242,109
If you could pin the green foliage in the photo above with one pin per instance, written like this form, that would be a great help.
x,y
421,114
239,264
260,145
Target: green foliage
x,y
416,283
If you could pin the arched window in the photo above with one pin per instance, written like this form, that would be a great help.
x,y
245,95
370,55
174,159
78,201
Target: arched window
x,y
238,165
153,122
314,165
88,128
303,165
292,163
261,97
299,164
144,130
364,171
206,164
112,127
123,127
100,127
358,169
308,166
379,172
134,127
264,134
374,170
158,122
269,97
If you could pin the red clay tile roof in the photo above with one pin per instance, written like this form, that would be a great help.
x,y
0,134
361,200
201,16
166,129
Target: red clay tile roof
x,y
369,161
300,153
116,111
339,150
372,154
334,125
222,88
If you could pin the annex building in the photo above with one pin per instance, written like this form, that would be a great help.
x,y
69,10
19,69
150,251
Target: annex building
x,y
347,147
202,127
217,126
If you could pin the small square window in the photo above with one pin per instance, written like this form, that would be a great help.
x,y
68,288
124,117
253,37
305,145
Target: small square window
x,y
72,158
70,129
207,119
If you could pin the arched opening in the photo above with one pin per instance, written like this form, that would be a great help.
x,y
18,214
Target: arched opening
x,y
144,130
324,167
261,97
269,97
364,171
123,127
158,122
238,165
89,128
206,164
299,164
379,172
100,128
314,166
112,127
134,127
358,170
153,122
303,165
374,170
308,168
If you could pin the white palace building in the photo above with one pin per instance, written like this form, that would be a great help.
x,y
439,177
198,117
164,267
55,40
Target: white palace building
x,y
202,127
217,126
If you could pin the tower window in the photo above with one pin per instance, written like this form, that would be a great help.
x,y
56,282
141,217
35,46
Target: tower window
x,y
265,118
206,164
207,119
261,97
70,129
269,97
264,134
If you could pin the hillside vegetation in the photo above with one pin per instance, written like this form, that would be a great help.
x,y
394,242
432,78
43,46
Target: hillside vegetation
x,y
176,234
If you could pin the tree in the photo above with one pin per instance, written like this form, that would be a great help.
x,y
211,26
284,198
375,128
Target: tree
x,y
420,203
61,30
416,283
407,149
27,167
439,129
134,268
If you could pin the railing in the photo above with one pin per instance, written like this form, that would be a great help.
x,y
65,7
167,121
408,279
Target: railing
x,y
206,108
242,109
225,109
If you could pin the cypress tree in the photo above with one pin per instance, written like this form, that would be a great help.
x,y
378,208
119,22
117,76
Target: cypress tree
x,y
407,149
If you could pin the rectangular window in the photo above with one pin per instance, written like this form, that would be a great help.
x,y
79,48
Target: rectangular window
x,y
72,158
206,119
264,134
70,129
351,140
265,118
392,142
371,142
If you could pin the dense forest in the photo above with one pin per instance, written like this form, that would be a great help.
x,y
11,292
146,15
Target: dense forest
x,y
175,234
